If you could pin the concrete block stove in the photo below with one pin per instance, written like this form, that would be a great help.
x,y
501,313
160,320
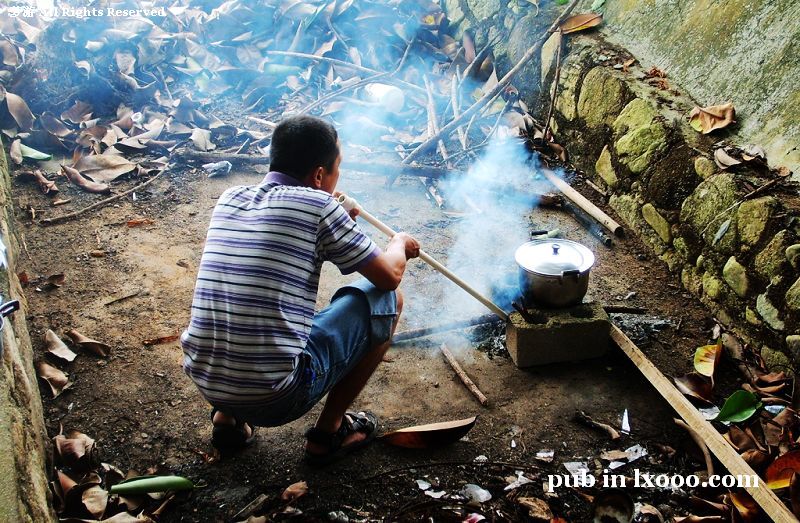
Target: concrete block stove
x,y
558,335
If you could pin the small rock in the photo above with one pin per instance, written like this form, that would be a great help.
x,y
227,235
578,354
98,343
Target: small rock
x,y
769,313
601,98
793,296
771,261
775,360
144,435
753,218
605,169
657,222
793,345
793,255
637,148
704,167
751,317
712,286
735,276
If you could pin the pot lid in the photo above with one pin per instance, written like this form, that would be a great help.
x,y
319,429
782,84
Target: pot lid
x,y
554,256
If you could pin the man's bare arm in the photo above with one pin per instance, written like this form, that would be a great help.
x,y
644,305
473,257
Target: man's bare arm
x,y
385,271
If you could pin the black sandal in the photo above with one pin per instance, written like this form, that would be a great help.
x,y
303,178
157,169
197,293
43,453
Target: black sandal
x,y
231,438
352,422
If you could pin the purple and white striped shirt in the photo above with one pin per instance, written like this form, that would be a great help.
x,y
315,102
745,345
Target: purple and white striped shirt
x,y
257,287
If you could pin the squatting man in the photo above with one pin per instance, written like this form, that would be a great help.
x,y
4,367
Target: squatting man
x,y
255,348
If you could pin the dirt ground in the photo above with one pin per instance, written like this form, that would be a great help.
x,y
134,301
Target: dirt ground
x,y
144,412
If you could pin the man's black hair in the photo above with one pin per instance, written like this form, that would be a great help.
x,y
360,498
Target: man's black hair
x,y
300,144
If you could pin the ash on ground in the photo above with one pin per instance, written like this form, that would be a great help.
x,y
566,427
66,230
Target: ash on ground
x,y
490,339
641,329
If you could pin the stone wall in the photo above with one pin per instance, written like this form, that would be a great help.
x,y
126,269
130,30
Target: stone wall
x,y
740,256
23,441
741,51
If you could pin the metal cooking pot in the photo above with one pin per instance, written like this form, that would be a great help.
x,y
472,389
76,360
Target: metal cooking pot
x,y
553,272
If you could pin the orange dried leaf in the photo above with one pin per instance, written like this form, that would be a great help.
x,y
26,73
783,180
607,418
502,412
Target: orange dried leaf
x,y
295,491
706,359
707,119
138,222
581,22
779,473
161,340
746,506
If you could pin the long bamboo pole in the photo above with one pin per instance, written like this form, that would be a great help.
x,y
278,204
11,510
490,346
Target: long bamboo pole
x,y
349,203
581,201
732,461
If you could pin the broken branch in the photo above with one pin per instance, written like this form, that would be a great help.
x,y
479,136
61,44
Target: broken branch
x,y
581,201
477,106
98,205
463,375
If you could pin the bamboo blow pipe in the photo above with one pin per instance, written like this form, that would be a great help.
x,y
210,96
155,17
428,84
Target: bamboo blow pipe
x,y
349,204
583,203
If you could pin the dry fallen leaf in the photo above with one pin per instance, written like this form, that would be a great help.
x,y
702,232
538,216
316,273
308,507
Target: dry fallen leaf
x,y
431,435
780,472
706,359
79,112
294,491
794,494
47,186
695,386
95,499
75,450
707,119
19,111
745,505
57,380
581,22
58,348
538,509
94,346
104,167
201,138
87,185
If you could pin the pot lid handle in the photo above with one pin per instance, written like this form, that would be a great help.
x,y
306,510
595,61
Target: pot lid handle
x,y
556,247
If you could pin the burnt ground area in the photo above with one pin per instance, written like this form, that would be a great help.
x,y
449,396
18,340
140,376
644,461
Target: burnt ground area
x,y
145,413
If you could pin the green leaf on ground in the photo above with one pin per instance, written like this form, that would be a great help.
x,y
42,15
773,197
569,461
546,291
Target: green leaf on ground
x,y
739,406
33,154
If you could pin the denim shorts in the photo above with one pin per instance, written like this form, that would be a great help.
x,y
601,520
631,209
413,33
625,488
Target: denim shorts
x,y
359,317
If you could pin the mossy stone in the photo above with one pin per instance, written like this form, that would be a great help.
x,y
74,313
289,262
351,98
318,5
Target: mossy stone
x,y
657,222
628,208
704,167
605,169
701,210
793,346
751,317
712,286
776,360
769,313
638,113
568,85
673,261
735,276
793,255
602,97
793,296
691,280
638,146
753,219
771,261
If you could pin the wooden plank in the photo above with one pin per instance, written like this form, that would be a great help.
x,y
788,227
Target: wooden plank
x,y
764,496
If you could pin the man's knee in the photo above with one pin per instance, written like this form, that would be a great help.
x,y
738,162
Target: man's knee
x,y
399,298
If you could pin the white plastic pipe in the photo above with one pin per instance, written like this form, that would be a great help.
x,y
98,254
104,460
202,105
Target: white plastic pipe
x,y
349,204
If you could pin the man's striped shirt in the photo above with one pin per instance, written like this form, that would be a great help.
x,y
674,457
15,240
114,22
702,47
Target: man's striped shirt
x,y
257,287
